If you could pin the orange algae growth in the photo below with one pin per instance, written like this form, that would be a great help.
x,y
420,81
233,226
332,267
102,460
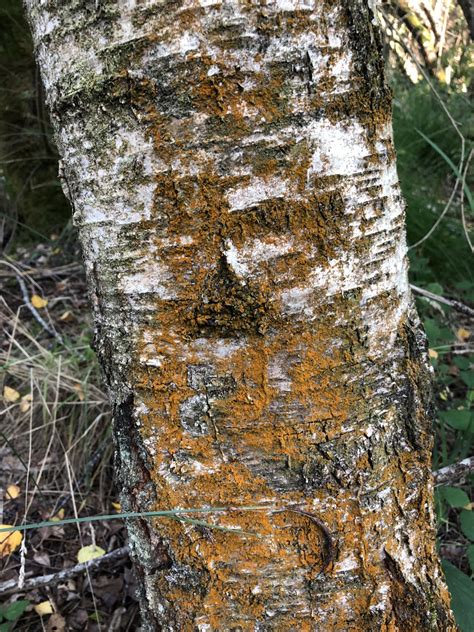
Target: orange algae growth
x,y
251,456
249,375
242,398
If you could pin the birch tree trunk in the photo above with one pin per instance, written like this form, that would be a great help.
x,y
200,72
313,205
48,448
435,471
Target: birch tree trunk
x,y
231,169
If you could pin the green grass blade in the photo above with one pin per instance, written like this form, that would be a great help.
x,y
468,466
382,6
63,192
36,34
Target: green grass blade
x,y
171,513
455,170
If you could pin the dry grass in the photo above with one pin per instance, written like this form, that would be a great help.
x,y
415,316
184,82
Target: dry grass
x,y
55,444
63,411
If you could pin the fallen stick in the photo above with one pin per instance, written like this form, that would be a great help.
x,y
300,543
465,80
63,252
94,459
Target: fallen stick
x,y
454,472
457,305
11,586
64,270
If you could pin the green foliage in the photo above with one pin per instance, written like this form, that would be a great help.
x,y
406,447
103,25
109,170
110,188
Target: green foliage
x,y
461,588
454,496
470,556
454,378
30,194
10,613
454,169
429,153
454,442
467,524
458,419
428,147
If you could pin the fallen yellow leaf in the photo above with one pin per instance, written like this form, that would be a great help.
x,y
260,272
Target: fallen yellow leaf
x,y
79,391
9,540
462,334
116,506
433,354
58,516
45,607
25,403
13,491
88,553
66,316
10,394
38,302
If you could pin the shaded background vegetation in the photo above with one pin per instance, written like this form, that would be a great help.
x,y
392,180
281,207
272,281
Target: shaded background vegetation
x,y
54,438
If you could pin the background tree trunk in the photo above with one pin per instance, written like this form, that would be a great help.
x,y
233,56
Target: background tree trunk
x,y
232,175
468,11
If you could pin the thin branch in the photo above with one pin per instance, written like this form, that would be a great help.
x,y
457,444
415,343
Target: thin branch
x,y
32,583
454,472
457,305
26,299
64,270
463,214
454,124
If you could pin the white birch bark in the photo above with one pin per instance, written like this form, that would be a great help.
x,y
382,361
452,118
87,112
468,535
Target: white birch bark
x,y
232,174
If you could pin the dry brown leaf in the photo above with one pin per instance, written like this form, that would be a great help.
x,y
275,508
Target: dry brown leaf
x,y
78,619
10,394
51,532
56,623
38,301
42,558
11,463
67,316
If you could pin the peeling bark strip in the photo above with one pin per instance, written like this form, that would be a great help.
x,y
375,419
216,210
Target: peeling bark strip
x,y
232,174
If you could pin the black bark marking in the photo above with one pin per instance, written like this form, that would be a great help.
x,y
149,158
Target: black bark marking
x,y
330,547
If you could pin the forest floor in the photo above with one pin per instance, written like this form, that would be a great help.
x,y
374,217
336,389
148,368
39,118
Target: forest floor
x,y
56,453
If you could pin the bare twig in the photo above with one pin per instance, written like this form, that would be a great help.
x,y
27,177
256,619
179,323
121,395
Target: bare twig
x,y
24,290
41,273
462,165
21,579
11,586
454,472
440,218
443,31
463,214
457,305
